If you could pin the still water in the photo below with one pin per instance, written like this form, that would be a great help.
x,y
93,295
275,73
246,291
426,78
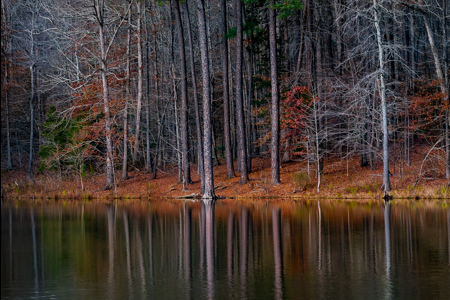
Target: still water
x,y
171,249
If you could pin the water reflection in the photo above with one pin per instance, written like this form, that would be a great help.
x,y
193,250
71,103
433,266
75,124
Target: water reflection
x,y
225,249
277,253
387,238
207,214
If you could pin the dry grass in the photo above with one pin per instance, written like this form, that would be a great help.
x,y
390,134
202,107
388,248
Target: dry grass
x,y
337,183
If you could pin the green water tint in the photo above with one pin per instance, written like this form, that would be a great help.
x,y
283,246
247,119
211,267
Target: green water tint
x,y
172,249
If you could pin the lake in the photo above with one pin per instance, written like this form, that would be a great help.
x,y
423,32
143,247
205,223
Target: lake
x,y
227,249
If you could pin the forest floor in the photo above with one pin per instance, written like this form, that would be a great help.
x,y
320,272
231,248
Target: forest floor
x,y
341,179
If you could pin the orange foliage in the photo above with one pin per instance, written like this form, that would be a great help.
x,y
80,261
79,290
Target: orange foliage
x,y
296,105
428,107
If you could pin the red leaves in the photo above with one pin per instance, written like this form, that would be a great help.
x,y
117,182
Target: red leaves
x,y
296,105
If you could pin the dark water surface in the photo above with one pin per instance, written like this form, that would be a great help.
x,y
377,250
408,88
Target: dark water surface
x,y
171,249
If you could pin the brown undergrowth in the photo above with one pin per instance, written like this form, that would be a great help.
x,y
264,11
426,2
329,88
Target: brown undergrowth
x,y
341,180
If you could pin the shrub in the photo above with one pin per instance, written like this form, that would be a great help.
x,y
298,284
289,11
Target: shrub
x,y
301,180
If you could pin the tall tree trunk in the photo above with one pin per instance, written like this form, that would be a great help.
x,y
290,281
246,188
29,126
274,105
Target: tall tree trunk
x,y
250,96
201,168
207,124
240,130
9,165
446,83
386,179
99,12
127,97
32,94
184,95
226,95
139,83
30,162
148,163
275,105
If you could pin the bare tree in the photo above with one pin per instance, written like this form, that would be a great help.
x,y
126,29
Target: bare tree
x,y
201,168
226,96
127,95
275,105
99,8
139,82
184,95
386,179
207,124
240,126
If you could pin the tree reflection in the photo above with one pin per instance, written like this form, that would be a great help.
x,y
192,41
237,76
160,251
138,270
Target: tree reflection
x,y
187,246
387,236
110,213
277,253
209,250
230,228
127,249
243,250
207,214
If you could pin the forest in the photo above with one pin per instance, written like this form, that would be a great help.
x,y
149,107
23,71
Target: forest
x,y
111,87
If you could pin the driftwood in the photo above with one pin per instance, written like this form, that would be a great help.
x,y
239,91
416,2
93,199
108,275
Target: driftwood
x,y
191,196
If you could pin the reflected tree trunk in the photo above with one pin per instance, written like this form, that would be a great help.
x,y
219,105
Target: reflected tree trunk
x,y
243,250
387,236
230,228
187,246
209,228
111,245
277,253
127,249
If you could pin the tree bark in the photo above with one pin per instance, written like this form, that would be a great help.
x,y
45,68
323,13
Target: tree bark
x,y
207,123
240,130
9,165
99,13
184,95
226,95
386,179
201,168
127,95
147,109
30,162
139,83
275,105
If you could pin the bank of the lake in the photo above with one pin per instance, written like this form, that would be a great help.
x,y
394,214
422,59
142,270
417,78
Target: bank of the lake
x,y
341,180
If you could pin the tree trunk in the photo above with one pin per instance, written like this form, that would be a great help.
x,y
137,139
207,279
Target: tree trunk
x,y
147,65
201,168
99,10
30,162
275,106
240,130
386,179
250,96
127,97
139,83
207,124
9,165
184,95
226,96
